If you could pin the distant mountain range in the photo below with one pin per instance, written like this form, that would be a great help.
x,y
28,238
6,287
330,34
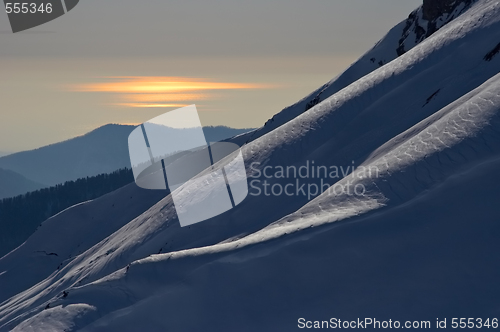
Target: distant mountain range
x,y
12,184
102,150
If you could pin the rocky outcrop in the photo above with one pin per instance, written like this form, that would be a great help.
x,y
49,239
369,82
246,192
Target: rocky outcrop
x,y
433,9
429,18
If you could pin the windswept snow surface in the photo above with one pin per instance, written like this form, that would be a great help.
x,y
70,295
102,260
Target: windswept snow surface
x,y
66,235
419,244
400,39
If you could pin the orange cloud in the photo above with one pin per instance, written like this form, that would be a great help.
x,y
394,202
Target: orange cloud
x,y
144,105
161,97
153,91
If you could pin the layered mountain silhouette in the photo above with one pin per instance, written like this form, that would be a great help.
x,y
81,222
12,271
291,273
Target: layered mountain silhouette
x,y
12,184
419,242
103,150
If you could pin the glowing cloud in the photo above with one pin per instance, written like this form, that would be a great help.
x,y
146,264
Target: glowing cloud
x,y
152,91
144,105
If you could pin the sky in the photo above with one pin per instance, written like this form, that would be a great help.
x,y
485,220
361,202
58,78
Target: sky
x,y
124,61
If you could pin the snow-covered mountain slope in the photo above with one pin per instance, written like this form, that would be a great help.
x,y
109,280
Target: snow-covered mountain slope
x,y
428,122
460,143
420,24
411,263
72,231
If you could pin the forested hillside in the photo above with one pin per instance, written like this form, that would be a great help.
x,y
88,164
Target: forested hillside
x,y
21,215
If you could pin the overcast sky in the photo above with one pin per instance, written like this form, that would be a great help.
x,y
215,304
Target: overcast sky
x,y
254,58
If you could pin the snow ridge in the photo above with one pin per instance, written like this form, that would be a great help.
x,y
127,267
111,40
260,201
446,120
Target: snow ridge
x,y
400,39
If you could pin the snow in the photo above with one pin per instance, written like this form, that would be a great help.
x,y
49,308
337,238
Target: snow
x,y
386,50
68,234
417,245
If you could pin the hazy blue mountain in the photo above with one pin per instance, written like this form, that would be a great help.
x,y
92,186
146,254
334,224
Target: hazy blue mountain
x,y
102,150
12,184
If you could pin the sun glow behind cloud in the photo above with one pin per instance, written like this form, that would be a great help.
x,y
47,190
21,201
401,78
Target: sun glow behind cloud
x,y
158,91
